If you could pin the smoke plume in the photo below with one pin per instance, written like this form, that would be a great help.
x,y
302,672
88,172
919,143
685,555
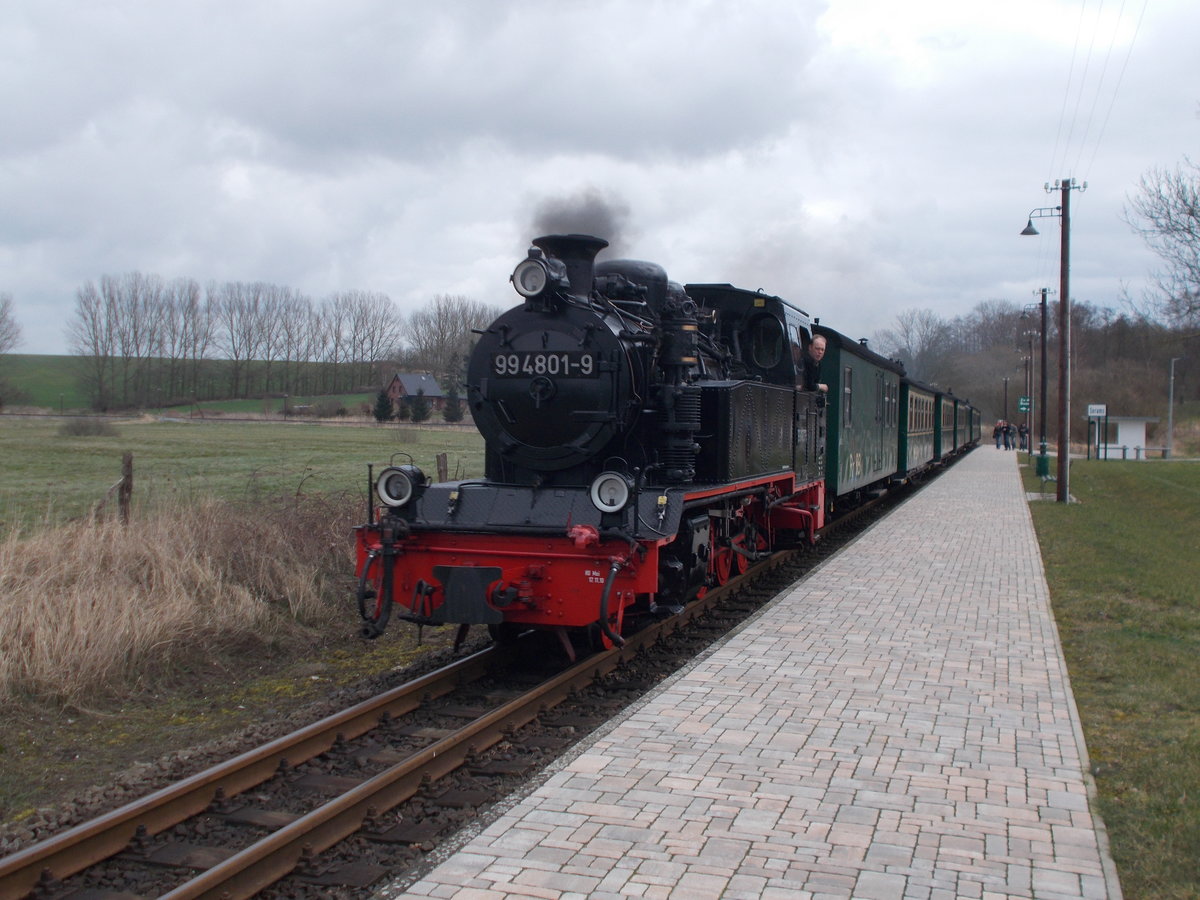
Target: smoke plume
x,y
588,212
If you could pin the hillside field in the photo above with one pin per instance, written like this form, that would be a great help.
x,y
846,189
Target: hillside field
x,y
55,384
48,477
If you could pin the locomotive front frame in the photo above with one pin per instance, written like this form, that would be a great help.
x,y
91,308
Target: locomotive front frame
x,y
590,575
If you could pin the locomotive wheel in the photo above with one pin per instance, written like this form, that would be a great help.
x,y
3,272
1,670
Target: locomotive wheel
x,y
723,563
740,562
752,542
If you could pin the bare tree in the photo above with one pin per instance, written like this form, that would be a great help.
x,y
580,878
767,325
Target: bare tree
x,y
919,340
185,333
331,339
1166,213
440,336
92,337
238,329
10,336
10,331
298,333
373,329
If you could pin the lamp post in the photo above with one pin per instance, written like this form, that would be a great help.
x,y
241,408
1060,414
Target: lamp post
x,y
1063,211
1027,391
1043,463
1171,408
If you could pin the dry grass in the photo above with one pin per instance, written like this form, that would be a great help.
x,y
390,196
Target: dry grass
x,y
100,610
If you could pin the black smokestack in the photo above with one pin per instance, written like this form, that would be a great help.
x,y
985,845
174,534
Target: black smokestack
x,y
588,212
578,253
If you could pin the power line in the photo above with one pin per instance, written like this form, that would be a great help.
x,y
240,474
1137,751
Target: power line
x,y
1062,115
1120,79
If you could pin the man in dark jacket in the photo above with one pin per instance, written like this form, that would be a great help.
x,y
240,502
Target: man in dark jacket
x,y
812,365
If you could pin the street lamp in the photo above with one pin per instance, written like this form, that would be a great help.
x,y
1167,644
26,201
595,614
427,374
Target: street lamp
x,y
1062,211
1026,392
1043,463
1171,408
1005,398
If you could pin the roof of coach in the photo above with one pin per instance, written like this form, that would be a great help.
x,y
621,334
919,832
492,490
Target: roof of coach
x,y
936,391
858,348
921,386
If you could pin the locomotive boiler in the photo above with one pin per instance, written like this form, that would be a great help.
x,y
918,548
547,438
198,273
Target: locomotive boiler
x,y
645,440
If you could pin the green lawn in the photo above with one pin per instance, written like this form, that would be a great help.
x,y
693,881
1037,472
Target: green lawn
x,y
1123,566
52,382
56,383
49,476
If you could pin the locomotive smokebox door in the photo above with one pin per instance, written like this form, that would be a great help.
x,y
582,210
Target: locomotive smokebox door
x,y
550,390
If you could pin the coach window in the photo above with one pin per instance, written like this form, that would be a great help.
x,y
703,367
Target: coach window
x,y
847,396
766,342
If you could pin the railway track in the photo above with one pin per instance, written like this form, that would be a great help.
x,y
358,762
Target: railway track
x,y
246,807
375,771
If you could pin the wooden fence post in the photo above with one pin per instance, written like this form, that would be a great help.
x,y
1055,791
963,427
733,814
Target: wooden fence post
x,y
125,492
443,469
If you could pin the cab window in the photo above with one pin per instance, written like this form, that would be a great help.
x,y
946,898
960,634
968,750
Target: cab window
x,y
766,342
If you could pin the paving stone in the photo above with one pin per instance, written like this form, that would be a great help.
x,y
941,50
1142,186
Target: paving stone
x,y
898,725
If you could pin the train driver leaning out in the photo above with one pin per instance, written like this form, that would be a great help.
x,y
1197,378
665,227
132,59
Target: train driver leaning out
x,y
812,365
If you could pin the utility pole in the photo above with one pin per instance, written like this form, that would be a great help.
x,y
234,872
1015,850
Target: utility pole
x,y
1063,211
1064,349
1171,409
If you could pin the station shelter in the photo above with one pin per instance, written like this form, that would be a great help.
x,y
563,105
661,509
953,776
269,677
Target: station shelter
x,y
1130,442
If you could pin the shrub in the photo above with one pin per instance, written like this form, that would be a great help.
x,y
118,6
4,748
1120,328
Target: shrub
x,y
328,408
87,427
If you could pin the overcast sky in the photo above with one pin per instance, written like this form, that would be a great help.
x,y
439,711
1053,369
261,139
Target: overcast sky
x,y
858,157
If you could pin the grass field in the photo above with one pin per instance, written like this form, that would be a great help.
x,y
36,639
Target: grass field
x,y
54,383
234,574
48,477
50,382
1123,566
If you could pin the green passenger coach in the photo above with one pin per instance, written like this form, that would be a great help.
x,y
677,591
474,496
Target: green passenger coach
x,y
918,403
862,417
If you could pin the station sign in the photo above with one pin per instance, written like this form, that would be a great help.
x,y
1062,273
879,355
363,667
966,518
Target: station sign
x,y
1097,410
1024,404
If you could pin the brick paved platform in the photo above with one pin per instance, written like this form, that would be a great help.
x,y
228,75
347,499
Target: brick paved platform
x,y
899,725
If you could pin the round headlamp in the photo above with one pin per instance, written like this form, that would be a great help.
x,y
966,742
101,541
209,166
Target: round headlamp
x,y
530,277
397,484
610,492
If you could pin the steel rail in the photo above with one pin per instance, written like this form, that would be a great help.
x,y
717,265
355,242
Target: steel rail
x,y
279,853
91,842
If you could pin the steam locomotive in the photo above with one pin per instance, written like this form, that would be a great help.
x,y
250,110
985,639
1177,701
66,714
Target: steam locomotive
x,y
645,441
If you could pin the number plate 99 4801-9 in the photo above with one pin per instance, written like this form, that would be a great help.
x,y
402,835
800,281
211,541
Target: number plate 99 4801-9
x,y
530,363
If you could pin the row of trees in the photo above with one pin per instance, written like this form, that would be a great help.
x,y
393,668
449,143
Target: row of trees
x,y
1120,358
145,341
992,356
